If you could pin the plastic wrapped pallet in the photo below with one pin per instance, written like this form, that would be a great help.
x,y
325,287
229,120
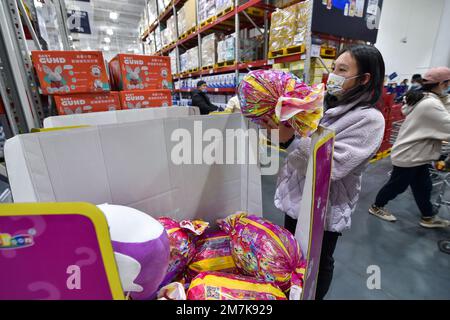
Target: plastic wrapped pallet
x,y
209,44
222,5
152,11
192,59
282,29
249,49
206,9
173,61
172,31
303,10
289,26
190,9
181,17
225,49
158,42
165,37
183,62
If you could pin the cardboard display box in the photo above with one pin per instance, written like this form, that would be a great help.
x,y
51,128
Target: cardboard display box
x,y
140,72
87,102
145,99
131,164
120,116
67,72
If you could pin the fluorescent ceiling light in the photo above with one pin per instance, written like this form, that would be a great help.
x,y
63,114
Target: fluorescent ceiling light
x,y
107,39
106,48
109,32
113,15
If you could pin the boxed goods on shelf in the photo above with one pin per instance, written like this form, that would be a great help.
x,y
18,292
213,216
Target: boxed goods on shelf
x,y
249,49
173,61
171,27
225,49
192,58
183,62
181,18
206,10
145,99
132,71
191,14
87,102
222,5
162,6
165,37
187,17
65,72
158,43
152,11
289,26
209,44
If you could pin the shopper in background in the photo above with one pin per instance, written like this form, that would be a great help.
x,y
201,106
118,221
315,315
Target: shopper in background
x,y
416,82
350,112
201,100
233,105
419,142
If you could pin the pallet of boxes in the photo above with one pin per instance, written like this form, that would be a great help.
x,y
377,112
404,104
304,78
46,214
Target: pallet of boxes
x,y
288,30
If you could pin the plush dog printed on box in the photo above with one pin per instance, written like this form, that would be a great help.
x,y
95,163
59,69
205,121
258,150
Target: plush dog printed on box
x,y
68,72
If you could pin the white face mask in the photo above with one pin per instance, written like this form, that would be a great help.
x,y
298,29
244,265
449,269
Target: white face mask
x,y
335,84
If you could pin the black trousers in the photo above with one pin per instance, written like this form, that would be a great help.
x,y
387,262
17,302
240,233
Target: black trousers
x,y
418,178
326,266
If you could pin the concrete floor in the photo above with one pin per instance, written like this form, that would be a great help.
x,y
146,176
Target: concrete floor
x,y
411,265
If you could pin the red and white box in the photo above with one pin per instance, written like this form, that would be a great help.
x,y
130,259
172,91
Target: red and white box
x,y
145,99
140,72
68,72
87,102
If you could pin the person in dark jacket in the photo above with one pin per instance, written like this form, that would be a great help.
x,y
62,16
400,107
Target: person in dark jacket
x,y
201,100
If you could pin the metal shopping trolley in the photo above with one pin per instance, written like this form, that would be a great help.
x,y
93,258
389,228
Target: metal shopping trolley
x,y
440,175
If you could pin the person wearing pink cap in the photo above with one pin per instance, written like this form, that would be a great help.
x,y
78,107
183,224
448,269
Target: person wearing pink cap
x,y
419,143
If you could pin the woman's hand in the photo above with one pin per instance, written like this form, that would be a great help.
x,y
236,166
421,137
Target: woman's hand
x,y
285,133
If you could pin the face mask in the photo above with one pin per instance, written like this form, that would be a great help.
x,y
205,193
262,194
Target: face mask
x,y
204,90
335,84
415,86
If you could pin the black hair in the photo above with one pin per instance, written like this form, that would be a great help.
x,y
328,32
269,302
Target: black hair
x,y
412,97
200,83
369,60
417,78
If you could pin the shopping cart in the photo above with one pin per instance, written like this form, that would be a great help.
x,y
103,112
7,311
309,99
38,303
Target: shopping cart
x,y
440,176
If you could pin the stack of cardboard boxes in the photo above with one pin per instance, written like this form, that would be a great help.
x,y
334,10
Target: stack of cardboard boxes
x,y
143,81
78,80
187,17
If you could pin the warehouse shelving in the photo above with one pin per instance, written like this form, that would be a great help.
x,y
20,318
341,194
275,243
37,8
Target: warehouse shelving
x,y
251,14
210,90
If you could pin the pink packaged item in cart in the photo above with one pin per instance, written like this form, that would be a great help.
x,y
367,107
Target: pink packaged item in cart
x,y
182,244
213,253
284,97
265,250
226,286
